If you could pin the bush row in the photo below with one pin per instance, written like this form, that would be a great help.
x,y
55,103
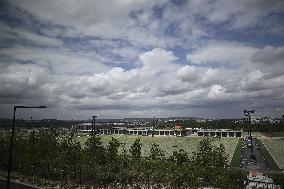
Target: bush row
x,y
60,158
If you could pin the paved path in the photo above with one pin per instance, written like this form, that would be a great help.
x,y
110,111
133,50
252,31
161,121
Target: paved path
x,y
247,164
16,185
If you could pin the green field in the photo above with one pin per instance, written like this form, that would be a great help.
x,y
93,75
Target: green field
x,y
167,143
276,148
236,160
267,134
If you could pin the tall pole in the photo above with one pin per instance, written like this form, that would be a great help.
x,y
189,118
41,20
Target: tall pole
x,y
250,135
247,113
249,127
153,129
94,123
11,151
10,161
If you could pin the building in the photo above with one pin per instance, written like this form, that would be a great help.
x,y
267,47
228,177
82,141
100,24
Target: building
x,y
87,127
259,181
110,129
219,133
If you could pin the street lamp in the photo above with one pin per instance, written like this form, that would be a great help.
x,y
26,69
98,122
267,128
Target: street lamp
x,y
247,113
12,142
153,129
94,123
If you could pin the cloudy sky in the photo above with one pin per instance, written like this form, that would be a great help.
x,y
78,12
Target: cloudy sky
x,y
142,58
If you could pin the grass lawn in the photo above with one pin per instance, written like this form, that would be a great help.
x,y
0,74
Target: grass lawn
x,y
167,143
267,134
276,148
236,160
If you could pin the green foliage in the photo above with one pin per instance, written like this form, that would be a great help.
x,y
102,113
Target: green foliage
x,y
236,160
70,153
4,148
106,167
156,153
94,150
135,149
180,158
112,150
208,156
221,156
267,156
278,178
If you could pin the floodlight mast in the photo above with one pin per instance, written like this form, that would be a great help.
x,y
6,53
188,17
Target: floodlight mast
x,y
247,114
153,127
10,162
94,123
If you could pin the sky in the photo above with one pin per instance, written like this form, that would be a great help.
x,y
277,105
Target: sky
x,y
142,58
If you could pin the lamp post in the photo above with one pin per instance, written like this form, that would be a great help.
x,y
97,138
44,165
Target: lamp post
x,y
153,129
12,142
94,123
247,113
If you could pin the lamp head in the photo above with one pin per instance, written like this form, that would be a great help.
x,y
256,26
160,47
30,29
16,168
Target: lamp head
x,y
19,106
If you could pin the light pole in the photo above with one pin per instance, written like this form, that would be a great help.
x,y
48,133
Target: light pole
x,y
12,142
122,164
247,113
94,123
153,129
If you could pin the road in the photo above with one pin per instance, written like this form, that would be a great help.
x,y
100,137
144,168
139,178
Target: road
x,y
249,165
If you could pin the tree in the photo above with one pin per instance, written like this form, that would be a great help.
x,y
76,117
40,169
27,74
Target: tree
x,y
112,151
4,148
70,153
221,156
179,167
135,149
210,162
204,156
157,166
156,153
180,157
94,150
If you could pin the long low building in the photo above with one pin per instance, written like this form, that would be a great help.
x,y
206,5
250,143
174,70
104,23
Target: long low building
x,y
144,132
110,129
219,133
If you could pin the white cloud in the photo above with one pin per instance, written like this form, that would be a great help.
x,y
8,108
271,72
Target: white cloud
x,y
269,55
222,52
157,58
202,75
216,91
84,14
256,80
93,18
121,58
59,60
22,82
239,14
22,34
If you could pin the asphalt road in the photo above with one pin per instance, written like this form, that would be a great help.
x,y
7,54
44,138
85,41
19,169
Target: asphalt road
x,y
247,164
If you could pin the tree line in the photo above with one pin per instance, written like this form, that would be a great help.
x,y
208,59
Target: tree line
x,y
62,159
225,124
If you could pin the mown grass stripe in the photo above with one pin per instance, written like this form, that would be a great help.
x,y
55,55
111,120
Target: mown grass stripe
x,y
236,160
267,156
